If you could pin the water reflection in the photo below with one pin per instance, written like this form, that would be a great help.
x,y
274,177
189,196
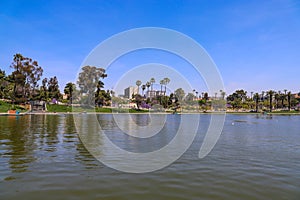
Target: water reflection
x,y
31,140
16,142
118,133
256,158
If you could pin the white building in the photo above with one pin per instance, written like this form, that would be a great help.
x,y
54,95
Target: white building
x,y
128,92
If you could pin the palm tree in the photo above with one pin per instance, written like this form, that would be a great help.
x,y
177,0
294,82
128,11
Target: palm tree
x,y
138,83
262,95
143,88
270,93
196,94
152,81
277,97
289,100
69,88
256,98
103,75
282,98
222,94
167,81
161,82
148,84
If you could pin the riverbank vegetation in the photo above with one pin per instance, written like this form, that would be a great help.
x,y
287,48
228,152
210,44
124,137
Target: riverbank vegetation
x,y
26,85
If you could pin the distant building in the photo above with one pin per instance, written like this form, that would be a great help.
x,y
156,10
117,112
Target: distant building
x,y
297,96
154,93
128,92
151,94
65,96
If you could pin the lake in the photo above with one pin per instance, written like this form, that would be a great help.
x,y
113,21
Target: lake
x,y
256,157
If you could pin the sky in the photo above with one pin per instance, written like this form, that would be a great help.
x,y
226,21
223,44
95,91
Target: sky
x,y
254,44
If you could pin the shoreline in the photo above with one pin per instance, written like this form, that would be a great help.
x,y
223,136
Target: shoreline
x,y
155,113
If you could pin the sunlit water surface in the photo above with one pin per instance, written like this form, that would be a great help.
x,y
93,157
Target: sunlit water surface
x,y
256,157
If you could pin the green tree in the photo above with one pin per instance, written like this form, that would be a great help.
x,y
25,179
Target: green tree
x,y
88,80
202,104
102,98
205,96
277,98
190,97
138,100
256,99
282,98
270,94
237,98
26,75
166,82
44,90
3,84
222,94
161,82
68,90
180,94
173,102
53,88
289,94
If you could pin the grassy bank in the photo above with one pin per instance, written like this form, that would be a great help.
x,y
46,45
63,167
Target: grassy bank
x,y
64,108
4,107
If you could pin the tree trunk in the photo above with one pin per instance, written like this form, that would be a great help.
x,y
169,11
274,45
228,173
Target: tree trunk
x,y
289,102
271,106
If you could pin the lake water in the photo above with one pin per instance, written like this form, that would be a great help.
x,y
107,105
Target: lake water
x,y
256,157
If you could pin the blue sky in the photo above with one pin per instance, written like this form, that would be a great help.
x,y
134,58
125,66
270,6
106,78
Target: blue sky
x,y
255,44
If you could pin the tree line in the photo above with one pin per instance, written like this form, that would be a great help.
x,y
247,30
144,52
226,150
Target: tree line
x,y
265,100
22,85
238,100
25,84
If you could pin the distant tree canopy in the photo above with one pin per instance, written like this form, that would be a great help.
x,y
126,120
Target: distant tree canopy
x,y
25,77
237,95
69,90
90,85
237,98
89,78
3,85
180,94
190,97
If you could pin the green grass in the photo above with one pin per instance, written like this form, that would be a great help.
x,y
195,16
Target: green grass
x,y
65,108
103,110
285,112
58,108
4,107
